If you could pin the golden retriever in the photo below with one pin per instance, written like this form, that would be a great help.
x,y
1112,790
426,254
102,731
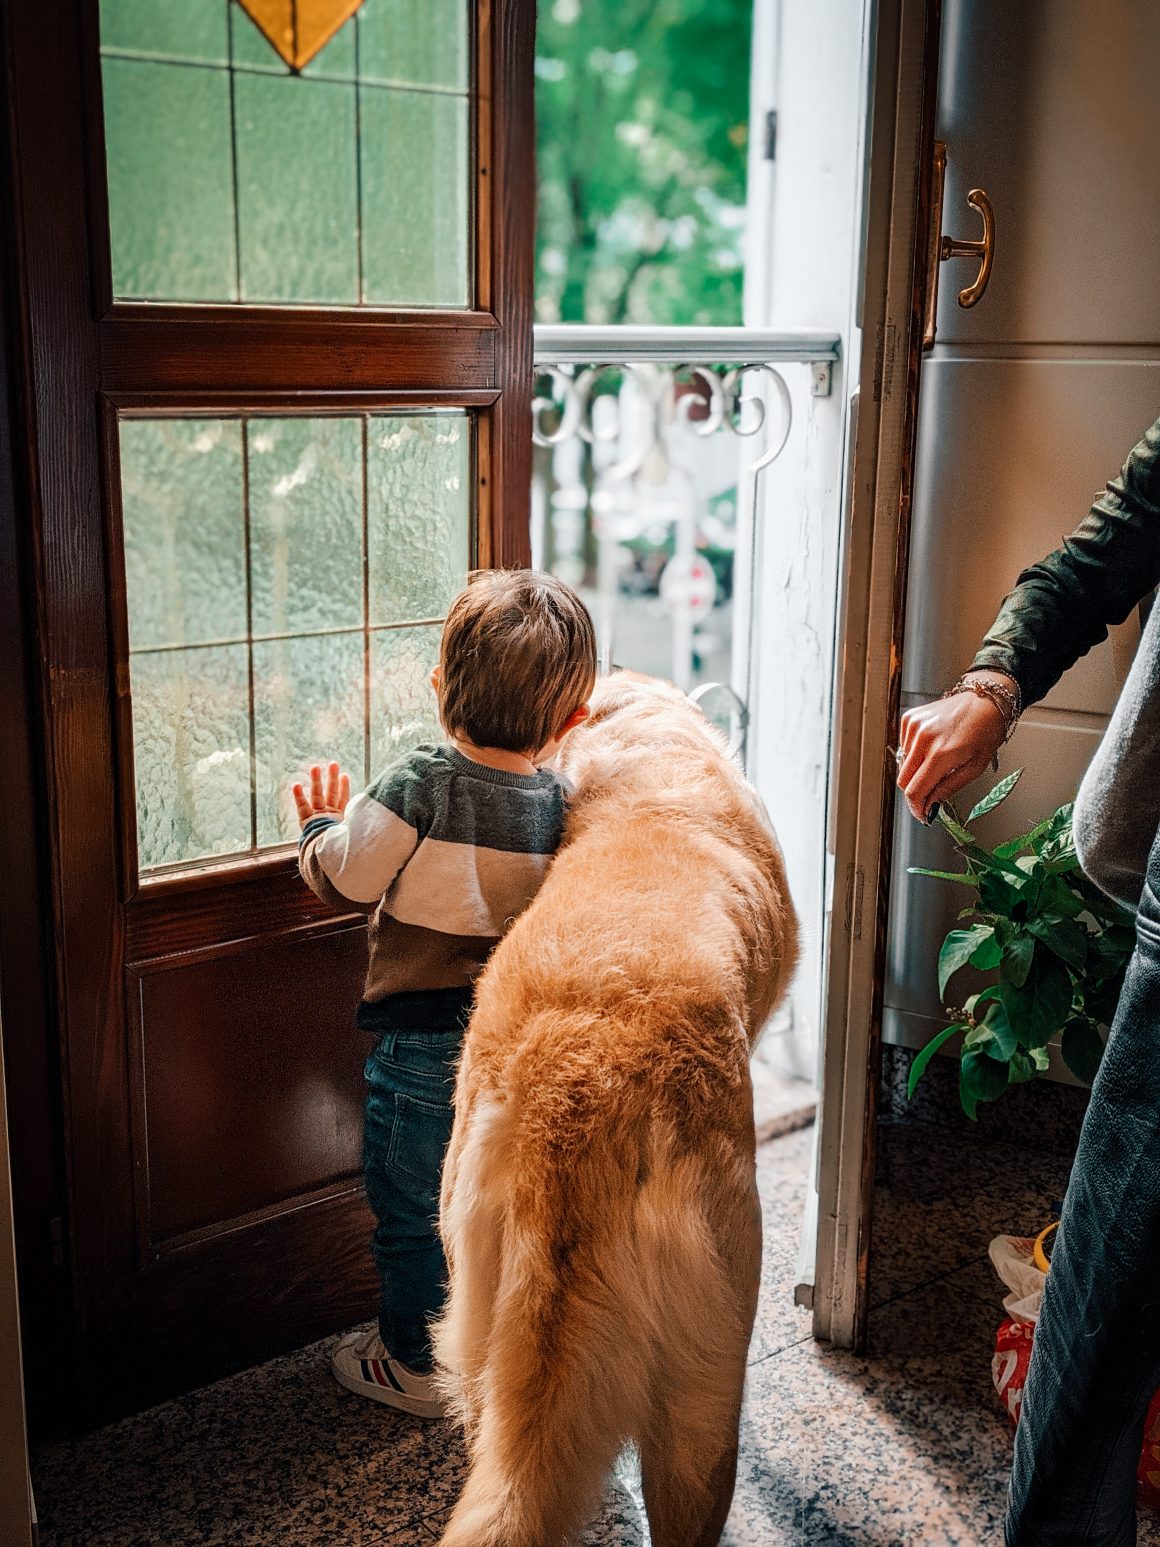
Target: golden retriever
x,y
599,1206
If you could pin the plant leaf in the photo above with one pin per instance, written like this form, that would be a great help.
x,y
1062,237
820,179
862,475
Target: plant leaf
x,y
1015,846
1038,1009
965,878
995,796
1082,1048
1017,959
1003,894
924,1056
1003,1042
1041,1058
1065,937
982,1077
957,950
1021,1067
987,953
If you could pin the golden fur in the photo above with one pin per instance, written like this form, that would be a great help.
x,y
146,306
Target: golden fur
x,y
599,1207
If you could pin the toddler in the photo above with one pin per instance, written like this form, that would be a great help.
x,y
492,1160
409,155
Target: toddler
x,y
443,851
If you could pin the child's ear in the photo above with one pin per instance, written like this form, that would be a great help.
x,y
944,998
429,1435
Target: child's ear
x,y
577,717
436,677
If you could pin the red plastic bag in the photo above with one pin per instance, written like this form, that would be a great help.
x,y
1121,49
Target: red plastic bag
x,y
1009,1373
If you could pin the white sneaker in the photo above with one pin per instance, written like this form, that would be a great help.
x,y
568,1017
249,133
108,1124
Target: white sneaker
x,y
361,1363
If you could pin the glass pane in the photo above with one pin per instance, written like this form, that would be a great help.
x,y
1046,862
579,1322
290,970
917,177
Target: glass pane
x,y
191,743
424,45
171,196
415,204
261,629
297,190
184,524
193,30
233,178
308,707
403,712
306,534
418,515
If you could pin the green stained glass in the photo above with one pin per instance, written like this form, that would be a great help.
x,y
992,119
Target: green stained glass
x,y
309,707
171,197
306,556
191,754
415,198
191,30
420,45
297,189
403,709
418,514
184,530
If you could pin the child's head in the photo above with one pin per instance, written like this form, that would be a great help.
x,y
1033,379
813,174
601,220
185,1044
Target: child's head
x,y
517,661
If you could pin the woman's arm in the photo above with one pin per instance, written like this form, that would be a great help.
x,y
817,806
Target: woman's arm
x,y
1063,605
1058,610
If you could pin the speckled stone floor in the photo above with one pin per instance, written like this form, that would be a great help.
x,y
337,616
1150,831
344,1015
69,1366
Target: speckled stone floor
x,y
904,1445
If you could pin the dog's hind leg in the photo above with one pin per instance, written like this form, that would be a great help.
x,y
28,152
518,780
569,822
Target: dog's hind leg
x,y
689,1449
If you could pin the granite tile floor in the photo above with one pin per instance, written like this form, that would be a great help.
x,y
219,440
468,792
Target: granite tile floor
x,y
904,1445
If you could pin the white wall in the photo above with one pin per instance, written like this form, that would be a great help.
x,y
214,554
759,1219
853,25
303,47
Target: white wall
x,y
802,273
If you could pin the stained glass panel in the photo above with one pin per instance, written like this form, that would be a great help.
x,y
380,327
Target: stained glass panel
x,y
234,178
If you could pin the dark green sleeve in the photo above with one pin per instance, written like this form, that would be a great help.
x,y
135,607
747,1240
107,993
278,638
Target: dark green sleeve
x,y
1062,606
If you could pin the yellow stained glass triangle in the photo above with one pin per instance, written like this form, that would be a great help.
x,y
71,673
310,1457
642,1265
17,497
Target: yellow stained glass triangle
x,y
299,29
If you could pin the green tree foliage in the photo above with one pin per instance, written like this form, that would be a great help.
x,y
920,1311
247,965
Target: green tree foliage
x,y
642,109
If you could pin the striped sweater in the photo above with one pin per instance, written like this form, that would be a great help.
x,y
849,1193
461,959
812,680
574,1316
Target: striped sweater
x,y
443,853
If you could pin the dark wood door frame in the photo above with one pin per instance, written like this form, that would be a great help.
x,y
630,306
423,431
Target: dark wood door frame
x,y
81,358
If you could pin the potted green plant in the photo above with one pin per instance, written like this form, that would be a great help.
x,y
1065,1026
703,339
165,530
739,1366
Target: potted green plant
x,y
1054,947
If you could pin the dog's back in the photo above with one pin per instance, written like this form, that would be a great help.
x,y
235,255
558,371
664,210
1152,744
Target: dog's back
x,y
600,1212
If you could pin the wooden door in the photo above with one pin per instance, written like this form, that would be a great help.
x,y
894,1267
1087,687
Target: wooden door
x,y
883,425
276,330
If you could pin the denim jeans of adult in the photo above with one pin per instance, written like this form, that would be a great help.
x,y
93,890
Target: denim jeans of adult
x,y
410,1078
1096,1358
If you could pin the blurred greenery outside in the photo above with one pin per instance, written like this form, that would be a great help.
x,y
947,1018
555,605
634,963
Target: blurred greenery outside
x,y
642,144
642,136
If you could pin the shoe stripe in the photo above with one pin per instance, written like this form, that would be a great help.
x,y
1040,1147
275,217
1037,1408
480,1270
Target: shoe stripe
x,y
390,1374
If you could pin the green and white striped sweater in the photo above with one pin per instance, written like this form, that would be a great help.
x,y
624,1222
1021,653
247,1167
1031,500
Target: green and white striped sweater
x,y
443,853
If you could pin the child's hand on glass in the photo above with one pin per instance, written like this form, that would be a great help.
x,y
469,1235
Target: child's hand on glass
x,y
327,796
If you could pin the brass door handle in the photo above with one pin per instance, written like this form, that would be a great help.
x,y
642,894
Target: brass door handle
x,y
940,248
984,250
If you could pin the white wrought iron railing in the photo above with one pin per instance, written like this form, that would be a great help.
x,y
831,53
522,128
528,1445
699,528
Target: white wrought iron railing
x,y
643,434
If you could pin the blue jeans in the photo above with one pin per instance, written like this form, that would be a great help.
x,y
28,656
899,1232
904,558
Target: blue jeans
x,y
410,1078
1096,1357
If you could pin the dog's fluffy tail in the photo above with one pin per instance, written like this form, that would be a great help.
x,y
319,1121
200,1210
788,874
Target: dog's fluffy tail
x,y
558,1347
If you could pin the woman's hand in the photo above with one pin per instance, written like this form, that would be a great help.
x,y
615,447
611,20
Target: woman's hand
x,y
944,745
325,797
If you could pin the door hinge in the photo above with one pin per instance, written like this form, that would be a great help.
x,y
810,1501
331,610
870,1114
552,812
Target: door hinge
x,y
771,135
821,378
855,885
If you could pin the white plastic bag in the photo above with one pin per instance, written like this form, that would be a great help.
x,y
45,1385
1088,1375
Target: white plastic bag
x,y
1012,1256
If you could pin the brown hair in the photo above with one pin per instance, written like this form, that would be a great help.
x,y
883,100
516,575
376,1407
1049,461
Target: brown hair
x,y
518,655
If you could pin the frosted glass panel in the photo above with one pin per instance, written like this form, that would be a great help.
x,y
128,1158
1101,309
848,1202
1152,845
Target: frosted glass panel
x,y
418,518
281,575
309,707
191,739
422,45
184,524
306,525
297,189
171,199
191,30
415,207
403,710
234,179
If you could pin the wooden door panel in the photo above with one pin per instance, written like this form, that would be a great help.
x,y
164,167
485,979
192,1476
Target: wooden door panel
x,y
239,1115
